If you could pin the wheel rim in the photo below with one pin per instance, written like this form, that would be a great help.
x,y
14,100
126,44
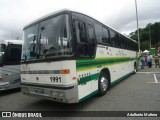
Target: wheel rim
x,y
103,84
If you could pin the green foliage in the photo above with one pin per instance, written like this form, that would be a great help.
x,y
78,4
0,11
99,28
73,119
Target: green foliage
x,y
145,45
151,31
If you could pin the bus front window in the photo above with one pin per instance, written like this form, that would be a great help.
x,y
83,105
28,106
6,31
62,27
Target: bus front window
x,y
54,38
30,40
2,50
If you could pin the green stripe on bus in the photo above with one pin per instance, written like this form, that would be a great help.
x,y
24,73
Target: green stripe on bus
x,y
79,62
104,59
83,80
112,84
99,64
95,63
86,79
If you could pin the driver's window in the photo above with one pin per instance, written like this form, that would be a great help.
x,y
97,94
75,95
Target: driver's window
x,y
81,36
81,31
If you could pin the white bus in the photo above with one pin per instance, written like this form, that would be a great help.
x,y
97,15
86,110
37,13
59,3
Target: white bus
x,y
10,57
68,57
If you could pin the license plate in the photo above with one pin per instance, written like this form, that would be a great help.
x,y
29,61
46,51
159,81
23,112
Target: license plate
x,y
38,90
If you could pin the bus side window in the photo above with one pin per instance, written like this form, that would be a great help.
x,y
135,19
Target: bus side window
x,y
113,37
99,33
117,40
91,40
121,41
127,44
81,36
106,38
132,45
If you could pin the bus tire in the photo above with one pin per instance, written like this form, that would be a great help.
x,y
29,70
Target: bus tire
x,y
103,84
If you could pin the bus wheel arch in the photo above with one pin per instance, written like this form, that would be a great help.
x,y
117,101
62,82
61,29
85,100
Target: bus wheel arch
x,y
104,82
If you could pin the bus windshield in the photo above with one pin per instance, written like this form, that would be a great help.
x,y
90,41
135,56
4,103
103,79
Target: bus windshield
x,y
49,38
2,50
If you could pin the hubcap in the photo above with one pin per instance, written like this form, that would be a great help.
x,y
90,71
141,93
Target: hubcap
x,y
104,84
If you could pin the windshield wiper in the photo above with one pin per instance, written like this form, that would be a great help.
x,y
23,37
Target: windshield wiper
x,y
39,43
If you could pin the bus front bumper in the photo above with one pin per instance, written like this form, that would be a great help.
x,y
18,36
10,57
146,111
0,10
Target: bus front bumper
x,y
67,94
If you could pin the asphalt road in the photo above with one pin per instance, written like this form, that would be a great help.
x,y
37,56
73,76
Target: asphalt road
x,y
139,92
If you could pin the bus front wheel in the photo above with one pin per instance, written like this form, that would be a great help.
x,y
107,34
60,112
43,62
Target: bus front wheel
x,y
103,84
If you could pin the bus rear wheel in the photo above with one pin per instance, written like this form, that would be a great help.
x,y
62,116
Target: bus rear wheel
x,y
103,84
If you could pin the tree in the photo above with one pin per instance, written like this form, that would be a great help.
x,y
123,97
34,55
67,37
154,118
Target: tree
x,y
144,45
151,30
156,33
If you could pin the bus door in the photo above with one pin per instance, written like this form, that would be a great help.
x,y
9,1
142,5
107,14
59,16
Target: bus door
x,y
92,49
83,57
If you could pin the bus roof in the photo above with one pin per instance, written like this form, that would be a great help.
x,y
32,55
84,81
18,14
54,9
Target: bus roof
x,y
46,16
65,11
6,42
